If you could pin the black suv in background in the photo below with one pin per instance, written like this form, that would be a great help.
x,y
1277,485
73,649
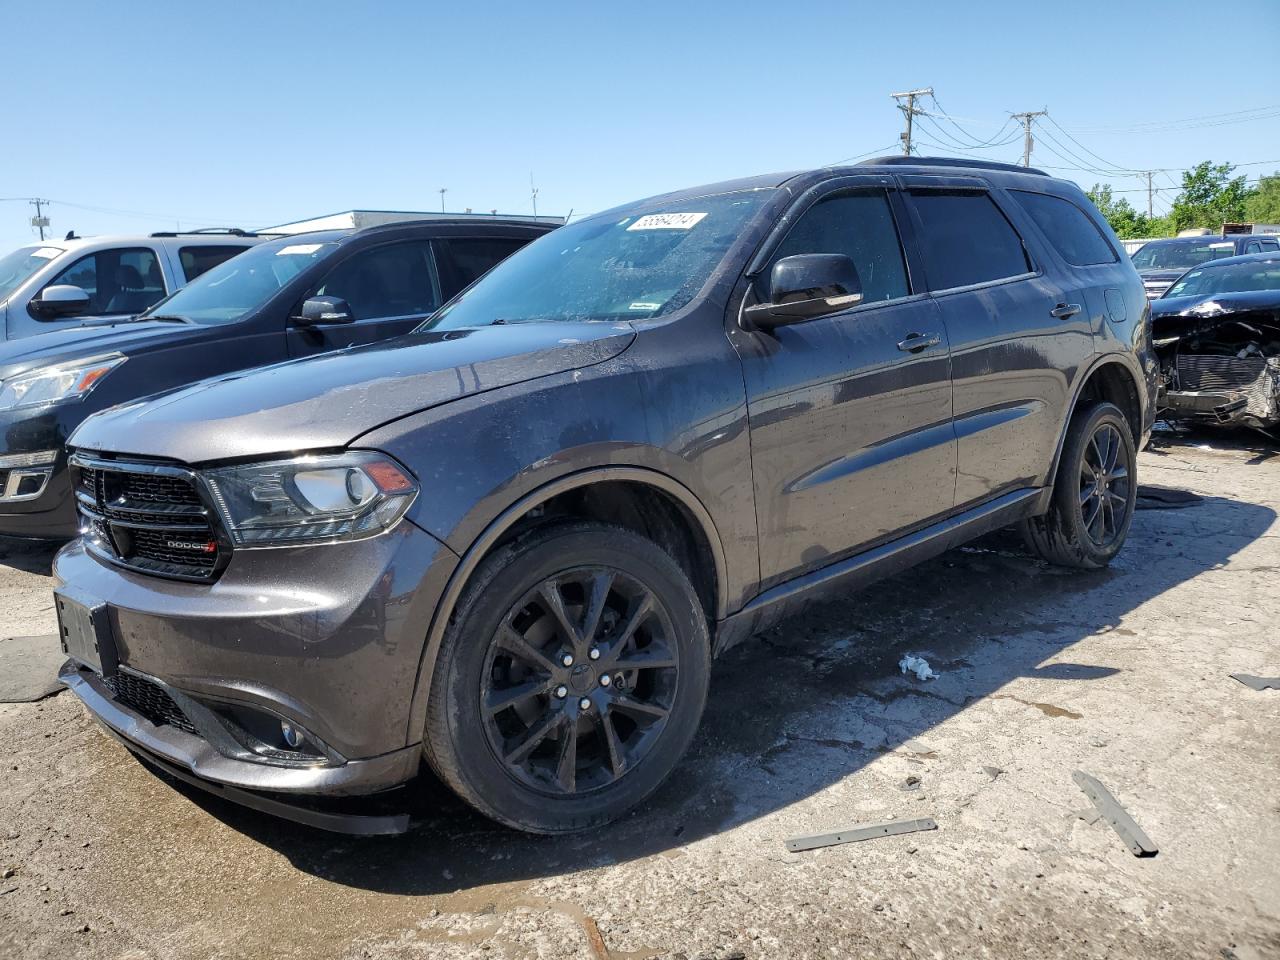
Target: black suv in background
x,y
292,297
512,541
1161,262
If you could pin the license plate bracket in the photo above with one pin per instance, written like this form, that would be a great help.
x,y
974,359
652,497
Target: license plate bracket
x,y
84,627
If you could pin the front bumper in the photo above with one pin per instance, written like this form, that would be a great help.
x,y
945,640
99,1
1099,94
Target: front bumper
x,y
329,638
52,514
48,515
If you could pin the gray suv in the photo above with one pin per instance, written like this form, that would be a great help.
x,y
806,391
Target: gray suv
x,y
511,542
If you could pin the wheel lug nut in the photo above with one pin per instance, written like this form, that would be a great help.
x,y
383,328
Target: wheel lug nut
x,y
595,653
606,680
562,691
584,704
567,660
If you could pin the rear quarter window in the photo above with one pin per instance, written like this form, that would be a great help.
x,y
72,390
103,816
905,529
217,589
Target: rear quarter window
x,y
196,260
1068,228
965,239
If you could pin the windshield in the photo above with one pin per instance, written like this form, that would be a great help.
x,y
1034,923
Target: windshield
x,y
239,286
1229,278
17,267
1182,255
626,265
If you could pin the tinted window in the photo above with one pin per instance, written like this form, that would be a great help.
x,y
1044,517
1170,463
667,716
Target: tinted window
x,y
1068,228
965,239
468,260
117,281
1269,244
396,280
196,260
860,225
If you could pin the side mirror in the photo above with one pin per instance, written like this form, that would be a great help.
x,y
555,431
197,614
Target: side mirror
x,y
805,286
61,300
318,311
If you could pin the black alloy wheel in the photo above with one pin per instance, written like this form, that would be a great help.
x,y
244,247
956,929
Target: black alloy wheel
x,y
580,680
571,679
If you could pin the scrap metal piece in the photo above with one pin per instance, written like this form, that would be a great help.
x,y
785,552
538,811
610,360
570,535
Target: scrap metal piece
x,y
1257,683
1116,815
868,831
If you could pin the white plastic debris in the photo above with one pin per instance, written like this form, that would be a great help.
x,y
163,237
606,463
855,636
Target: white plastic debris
x,y
917,665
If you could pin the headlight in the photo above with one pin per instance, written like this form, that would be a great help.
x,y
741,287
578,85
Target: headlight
x,y
320,498
46,385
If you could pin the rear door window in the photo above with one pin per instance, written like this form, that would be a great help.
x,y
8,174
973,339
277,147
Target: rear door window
x,y
122,281
859,224
965,239
463,261
1068,228
196,260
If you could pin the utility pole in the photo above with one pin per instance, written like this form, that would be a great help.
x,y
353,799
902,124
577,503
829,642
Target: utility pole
x,y
1027,140
909,111
1151,206
442,191
39,220
533,193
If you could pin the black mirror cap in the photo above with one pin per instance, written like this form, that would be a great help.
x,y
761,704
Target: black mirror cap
x,y
320,311
805,286
60,300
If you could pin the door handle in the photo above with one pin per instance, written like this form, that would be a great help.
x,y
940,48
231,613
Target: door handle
x,y
1064,310
916,342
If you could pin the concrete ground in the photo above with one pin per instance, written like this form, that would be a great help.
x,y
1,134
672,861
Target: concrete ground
x,y
1122,674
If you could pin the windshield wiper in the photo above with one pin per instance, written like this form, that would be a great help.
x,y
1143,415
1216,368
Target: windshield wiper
x,y
164,318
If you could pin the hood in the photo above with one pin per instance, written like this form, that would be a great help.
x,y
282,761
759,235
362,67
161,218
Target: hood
x,y
327,401
64,344
1180,316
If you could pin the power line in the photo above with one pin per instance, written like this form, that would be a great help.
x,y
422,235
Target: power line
x,y
858,156
1206,120
973,140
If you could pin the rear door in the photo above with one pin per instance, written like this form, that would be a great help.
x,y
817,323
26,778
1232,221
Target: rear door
x,y
390,288
850,413
1017,334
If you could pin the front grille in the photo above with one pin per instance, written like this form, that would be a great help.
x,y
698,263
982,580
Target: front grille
x,y
150,518
149,699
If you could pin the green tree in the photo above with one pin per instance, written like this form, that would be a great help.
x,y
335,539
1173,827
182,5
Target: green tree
x,y
1127,222
1210,196
1262,205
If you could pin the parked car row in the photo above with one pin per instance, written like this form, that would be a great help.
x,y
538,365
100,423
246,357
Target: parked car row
x,y
1161,262
510,541
285,298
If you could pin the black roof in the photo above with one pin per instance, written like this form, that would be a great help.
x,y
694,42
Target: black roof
x,y
901,161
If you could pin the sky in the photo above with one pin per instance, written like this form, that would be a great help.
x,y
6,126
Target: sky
x,y
156,116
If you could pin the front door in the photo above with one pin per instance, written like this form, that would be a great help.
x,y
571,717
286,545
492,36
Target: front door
x,y
390,289
850,414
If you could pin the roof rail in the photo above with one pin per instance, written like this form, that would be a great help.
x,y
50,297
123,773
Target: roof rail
x,y
223,231
898,161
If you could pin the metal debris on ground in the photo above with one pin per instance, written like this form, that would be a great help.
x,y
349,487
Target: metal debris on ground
x,y
910,663
1137,841
1257,683
1165,498
870,831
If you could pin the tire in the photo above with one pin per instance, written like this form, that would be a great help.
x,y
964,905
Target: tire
x,y
1064,536
608,731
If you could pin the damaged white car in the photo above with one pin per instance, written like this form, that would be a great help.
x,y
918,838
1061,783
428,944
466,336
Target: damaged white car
x,y
1217,335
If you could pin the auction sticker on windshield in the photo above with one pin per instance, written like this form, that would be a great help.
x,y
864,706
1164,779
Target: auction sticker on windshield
x,y
298,249
667,221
